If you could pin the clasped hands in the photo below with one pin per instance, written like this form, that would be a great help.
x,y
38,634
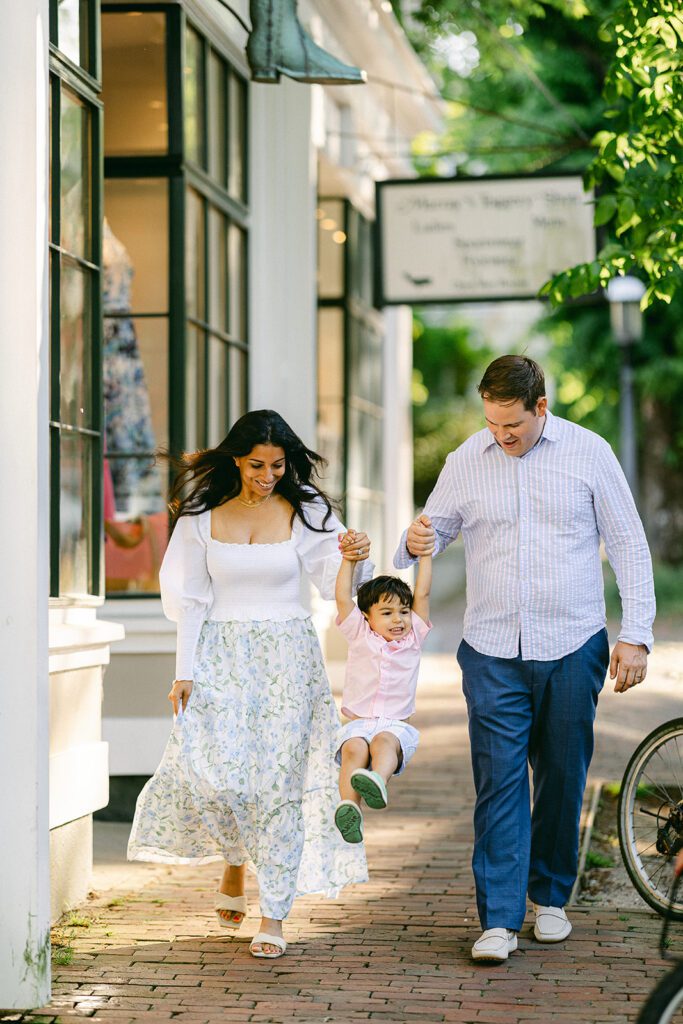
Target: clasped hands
x,y
421,537
354,545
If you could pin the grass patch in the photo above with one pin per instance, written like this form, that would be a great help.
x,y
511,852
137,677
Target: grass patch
x,y
63,955
74,921
118,901
594,859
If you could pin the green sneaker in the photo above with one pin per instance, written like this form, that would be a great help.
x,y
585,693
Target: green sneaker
x,y
349,820
371,787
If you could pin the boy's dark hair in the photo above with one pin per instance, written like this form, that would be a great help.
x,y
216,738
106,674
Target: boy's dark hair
x,y
373,591
511,379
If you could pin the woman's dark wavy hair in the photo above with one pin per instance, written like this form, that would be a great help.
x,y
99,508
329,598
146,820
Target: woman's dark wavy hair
x,y
209,478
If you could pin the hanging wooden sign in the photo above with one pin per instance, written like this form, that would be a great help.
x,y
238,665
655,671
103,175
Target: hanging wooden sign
x,y
466,240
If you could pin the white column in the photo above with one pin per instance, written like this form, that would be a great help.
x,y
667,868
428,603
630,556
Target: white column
x,y
283,255
398,424
24,893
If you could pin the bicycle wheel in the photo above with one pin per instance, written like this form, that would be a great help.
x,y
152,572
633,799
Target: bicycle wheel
x,y
665,1003
650,815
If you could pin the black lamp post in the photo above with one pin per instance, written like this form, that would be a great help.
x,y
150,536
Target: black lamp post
x,y
624,295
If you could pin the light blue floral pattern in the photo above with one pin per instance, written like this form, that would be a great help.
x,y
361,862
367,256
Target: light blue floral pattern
x,y
248,773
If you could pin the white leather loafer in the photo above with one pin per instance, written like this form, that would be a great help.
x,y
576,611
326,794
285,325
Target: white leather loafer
x,y
552,924
495,944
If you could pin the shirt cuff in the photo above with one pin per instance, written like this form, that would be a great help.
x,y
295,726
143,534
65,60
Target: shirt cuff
x,y
403,558
637,641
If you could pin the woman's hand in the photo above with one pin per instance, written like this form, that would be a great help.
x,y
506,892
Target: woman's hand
x,y
180,692
354,546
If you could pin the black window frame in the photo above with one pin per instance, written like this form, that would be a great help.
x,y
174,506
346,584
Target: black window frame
x,y
85,84
355,303
181,173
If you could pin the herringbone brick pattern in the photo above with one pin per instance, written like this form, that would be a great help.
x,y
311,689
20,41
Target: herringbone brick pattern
x,y
396,949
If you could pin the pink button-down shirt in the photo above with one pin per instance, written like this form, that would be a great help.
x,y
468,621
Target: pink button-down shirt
x,y
381,675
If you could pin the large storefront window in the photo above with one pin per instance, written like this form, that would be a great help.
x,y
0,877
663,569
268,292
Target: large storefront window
x,y
350,354
174,261
75,348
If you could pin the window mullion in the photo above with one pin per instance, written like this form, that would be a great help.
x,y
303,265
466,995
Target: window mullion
x,y
205,336
96,357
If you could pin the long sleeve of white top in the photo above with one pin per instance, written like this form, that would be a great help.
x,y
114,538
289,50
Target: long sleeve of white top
x,y
319,552
186,591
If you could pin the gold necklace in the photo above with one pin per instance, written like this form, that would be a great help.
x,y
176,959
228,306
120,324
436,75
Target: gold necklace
x,y
254,504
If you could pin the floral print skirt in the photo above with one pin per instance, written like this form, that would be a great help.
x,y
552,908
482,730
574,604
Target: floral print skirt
x,y
248,773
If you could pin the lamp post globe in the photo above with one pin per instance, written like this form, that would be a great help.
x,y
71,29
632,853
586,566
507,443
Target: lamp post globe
x,y
624,295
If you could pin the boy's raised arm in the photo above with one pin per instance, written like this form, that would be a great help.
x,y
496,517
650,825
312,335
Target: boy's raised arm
x,y
423,585
343,591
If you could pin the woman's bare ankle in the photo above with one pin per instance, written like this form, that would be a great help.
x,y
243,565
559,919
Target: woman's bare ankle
x,y
232,882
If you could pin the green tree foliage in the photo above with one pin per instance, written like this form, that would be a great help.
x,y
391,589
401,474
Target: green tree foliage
x,y
639,168
447,365
522,81
593,86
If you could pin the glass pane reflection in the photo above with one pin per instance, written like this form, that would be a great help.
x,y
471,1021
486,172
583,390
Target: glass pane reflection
x,y
194,255
75,512
218,269
238,282
237,181
75,346
218,118
193,90
218,391
135,245
330,216
135,408
72,30
134,83
238,383
195,389
75,175
134,544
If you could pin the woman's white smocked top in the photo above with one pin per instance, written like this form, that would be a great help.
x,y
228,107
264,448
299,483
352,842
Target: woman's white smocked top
x,y
202,578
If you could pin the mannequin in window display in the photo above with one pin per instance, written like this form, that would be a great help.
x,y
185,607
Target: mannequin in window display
x,y
136,526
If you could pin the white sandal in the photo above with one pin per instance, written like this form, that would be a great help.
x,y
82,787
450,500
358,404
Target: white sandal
x,y
261,938
238,905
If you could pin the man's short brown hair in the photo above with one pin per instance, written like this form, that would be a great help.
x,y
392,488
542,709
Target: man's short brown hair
x,y
512,379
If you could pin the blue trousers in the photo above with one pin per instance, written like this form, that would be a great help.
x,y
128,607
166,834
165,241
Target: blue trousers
x,y
541,712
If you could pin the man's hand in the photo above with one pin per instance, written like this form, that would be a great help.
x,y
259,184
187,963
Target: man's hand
x,y
628,665
421,537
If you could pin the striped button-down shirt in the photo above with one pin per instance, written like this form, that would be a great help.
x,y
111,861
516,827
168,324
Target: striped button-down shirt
x,y
532,528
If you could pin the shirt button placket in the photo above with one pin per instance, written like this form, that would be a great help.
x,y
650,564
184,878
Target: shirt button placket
x,y
523,547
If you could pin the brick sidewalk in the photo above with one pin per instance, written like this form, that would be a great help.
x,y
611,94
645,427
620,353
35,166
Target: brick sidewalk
x,y
396,949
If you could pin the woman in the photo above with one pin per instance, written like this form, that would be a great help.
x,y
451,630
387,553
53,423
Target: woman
x,y
248,773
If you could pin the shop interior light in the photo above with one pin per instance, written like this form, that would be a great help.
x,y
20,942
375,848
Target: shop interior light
x,y
328,224
339,237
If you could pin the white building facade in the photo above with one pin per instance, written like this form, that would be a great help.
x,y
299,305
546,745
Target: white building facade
x,y
181,245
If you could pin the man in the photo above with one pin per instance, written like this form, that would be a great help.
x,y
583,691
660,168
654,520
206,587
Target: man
x,y
533,495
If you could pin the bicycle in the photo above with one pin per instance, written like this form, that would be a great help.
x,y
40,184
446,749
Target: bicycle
x,y
650,817
664,1005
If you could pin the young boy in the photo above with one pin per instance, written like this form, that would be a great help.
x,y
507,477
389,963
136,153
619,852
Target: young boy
x,y
385,631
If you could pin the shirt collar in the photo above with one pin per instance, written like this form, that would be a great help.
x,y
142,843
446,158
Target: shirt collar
x,y
550,433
